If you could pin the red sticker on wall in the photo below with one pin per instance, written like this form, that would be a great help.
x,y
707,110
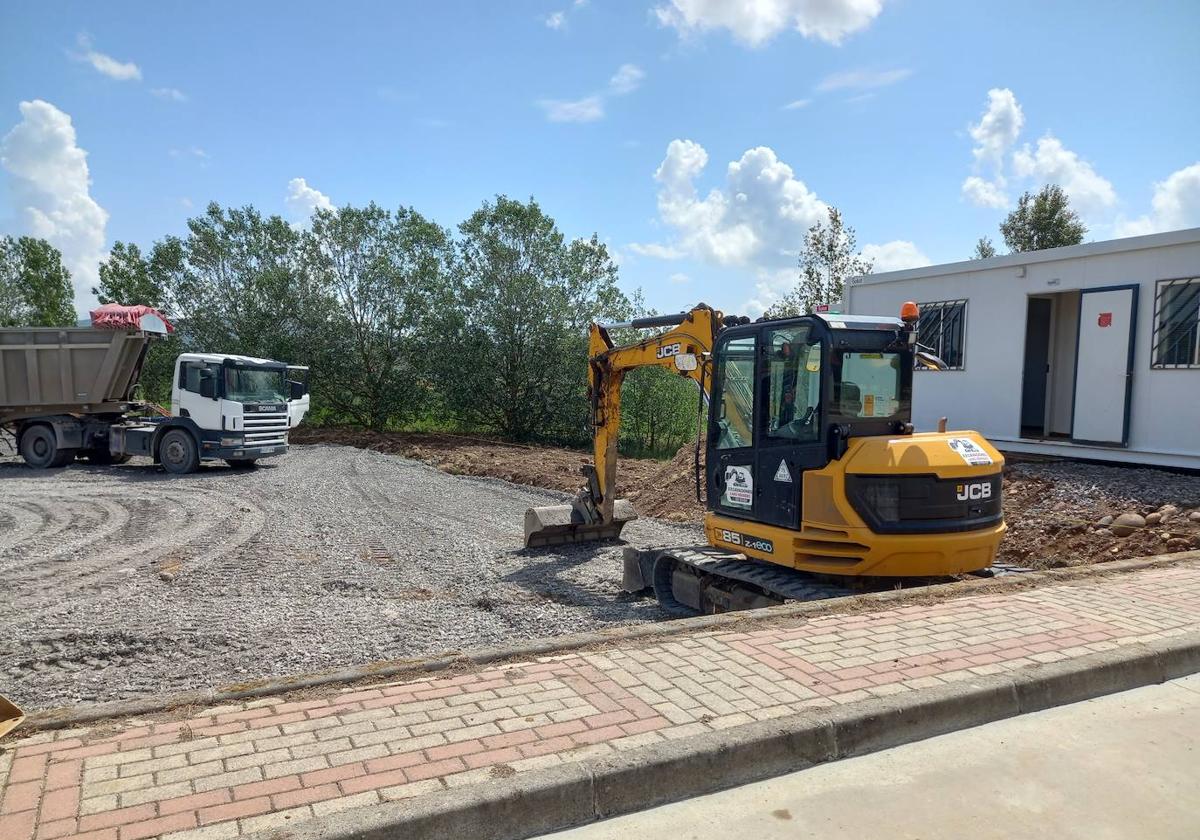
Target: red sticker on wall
x,y
1105,319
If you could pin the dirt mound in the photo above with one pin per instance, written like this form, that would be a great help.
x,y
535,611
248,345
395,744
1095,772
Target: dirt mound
x,y
670,491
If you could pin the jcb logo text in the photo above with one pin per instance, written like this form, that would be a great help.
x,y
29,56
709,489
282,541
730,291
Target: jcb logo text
x,y
974,492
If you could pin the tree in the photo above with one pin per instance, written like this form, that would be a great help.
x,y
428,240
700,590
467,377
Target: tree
x,y
129,278
512,358
827,258
984,249
238,286
381,274
1041,221
658,406
35,287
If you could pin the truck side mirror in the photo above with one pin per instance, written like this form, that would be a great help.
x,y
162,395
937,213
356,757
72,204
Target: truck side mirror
x,y
208,385
297,389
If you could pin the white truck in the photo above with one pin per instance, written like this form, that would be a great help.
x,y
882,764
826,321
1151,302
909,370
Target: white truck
x,y
68,393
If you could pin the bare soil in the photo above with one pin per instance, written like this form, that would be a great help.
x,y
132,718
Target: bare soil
x,y
1053,507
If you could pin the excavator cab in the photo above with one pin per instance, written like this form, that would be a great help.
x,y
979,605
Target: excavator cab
x,y
786,397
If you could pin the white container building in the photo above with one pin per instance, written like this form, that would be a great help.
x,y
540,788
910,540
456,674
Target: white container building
x,y
1090,351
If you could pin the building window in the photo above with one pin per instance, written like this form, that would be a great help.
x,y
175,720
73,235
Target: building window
x,y
1176,341
942,331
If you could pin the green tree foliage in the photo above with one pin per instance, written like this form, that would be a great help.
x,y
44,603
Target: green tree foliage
x,y
829,255
130,278
35,287
1041,221
378,276
236,282
513,353
984,249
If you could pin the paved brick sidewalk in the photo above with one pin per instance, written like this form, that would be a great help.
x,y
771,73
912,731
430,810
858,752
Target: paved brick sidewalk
x,y
270,763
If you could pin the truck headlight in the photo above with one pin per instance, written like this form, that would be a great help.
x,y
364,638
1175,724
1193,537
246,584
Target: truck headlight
x,y
231,441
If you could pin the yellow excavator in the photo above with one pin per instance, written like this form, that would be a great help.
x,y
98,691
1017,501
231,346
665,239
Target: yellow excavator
x,y
811,461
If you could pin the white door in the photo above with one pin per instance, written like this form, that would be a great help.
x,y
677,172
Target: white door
x,y
1104,365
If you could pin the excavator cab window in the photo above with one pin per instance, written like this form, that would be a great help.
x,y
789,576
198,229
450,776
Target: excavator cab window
x,y
868,385
794,384
735,400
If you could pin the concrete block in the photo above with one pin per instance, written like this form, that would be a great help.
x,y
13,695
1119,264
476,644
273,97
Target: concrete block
x,y
884,722
1073,680
673,770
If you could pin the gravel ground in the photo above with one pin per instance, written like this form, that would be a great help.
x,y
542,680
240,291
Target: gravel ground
x,y
124,581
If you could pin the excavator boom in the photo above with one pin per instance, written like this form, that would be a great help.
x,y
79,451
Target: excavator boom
x,y
596,513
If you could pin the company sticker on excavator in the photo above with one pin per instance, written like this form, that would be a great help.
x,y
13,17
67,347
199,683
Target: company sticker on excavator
x,y
970,451
739,488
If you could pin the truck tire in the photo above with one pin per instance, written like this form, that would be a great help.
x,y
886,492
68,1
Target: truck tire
x,y
241,463
178,453
39,447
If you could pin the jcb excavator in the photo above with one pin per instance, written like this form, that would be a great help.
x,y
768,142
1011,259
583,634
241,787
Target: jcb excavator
x,y
811,461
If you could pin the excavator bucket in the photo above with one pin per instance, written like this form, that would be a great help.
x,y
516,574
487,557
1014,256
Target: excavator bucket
x,y
10,716
559,524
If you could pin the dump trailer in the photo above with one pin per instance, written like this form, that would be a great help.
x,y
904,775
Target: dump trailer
x,y
812,464
68,393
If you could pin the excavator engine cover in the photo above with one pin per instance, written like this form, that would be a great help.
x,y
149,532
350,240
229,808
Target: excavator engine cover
x,y
559,524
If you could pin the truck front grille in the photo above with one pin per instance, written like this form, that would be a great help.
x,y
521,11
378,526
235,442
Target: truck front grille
x,y
265,429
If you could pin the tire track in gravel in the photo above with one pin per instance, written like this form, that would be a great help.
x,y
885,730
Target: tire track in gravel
x,y
137,527
328,557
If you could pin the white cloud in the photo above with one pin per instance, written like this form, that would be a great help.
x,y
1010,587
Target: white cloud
x,y
679,278
656,250
173,94
194,151
755,23
588,109
994,134
894,255
1176,205
591,108
797,104
759,217
122,71
51,189
626,80
556,20
1052,163
862,79
984,193
998,128
302,201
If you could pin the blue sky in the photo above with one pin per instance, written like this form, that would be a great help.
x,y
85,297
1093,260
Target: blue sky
x,y
662,125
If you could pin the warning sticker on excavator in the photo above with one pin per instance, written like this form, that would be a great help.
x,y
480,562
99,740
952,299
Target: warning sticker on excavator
x,y
970,451
739,488
782,473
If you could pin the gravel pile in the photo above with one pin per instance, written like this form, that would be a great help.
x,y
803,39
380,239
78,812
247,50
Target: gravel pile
x,y
124,581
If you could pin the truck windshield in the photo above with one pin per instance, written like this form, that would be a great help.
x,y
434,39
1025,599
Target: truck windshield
x,y
255,384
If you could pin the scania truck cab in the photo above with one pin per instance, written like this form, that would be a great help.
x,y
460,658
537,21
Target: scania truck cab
x,y
240,408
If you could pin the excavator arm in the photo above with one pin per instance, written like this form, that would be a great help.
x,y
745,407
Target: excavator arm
x,y
596,513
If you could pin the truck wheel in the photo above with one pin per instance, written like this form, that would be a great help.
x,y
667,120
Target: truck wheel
x,y
177,452
241,463
39,448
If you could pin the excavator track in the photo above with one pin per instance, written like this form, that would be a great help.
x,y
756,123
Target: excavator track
x,y
703,579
